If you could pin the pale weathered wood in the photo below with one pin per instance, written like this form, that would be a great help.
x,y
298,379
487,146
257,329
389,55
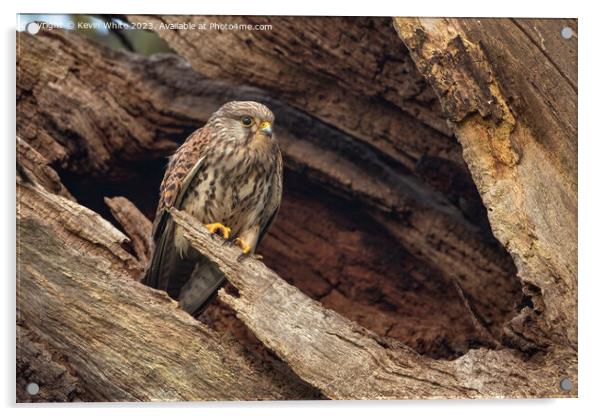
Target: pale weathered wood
x,y
345,361
121,340
524,161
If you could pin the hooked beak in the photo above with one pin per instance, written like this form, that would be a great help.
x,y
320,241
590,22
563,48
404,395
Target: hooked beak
x,y
266,128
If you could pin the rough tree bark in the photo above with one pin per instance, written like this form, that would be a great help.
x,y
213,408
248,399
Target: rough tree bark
x,y
113,338
398,232
524,162
345,361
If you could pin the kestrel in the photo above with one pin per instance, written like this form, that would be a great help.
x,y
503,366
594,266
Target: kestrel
x,y
228,175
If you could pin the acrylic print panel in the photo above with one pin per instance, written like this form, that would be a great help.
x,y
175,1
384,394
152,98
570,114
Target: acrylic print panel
x,y
353,208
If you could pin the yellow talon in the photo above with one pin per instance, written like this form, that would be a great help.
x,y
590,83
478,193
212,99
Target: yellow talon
x,y
246,249
218,228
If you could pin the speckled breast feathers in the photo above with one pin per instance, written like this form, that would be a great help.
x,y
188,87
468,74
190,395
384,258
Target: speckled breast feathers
x,y
228,175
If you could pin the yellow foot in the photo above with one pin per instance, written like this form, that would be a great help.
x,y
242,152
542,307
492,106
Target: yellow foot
x,y
246,249
219,229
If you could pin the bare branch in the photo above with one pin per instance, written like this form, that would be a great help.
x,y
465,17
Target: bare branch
x,y
346,361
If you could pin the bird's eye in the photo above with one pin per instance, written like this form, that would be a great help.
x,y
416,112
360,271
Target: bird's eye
x,y
246,121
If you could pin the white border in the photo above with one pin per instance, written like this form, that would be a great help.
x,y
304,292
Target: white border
x,y
465,8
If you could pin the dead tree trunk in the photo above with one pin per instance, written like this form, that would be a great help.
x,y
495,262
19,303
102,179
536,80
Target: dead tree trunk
x,y
398,232
523,162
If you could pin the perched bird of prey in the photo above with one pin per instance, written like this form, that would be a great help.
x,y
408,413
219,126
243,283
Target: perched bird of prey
x,y
228,175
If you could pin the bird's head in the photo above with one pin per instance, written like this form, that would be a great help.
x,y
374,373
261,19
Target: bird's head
x,y
246,122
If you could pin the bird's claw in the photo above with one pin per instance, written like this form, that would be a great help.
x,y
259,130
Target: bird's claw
x,y
246,249
219,229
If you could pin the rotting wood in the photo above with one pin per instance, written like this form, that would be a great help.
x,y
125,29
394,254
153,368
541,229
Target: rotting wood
x,y
524,164
345,361
122,341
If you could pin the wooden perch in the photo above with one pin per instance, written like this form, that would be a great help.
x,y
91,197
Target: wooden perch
x,y
116,339
345,361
